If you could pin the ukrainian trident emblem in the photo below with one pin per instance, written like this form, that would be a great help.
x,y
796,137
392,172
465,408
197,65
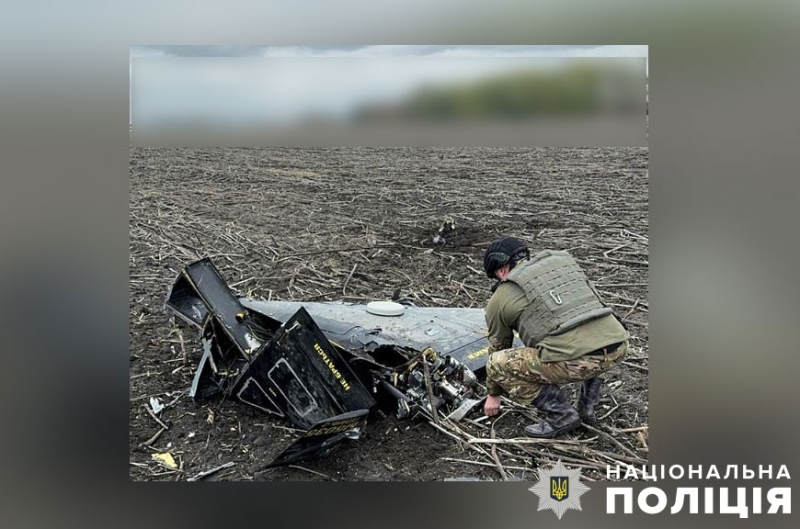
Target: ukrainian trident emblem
x,y
559,487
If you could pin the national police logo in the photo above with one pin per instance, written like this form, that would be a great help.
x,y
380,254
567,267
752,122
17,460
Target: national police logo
x,y
559,489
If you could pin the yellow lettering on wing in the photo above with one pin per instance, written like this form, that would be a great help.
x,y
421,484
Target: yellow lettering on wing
x,y
335,428
328,362
480,352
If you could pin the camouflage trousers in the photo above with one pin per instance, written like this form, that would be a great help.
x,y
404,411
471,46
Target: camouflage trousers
x,y
521,373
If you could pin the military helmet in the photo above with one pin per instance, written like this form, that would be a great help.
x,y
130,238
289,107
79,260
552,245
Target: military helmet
x,y
507,250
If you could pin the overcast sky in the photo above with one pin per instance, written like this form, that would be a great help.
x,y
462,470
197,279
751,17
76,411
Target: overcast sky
x,y
391,51
283,84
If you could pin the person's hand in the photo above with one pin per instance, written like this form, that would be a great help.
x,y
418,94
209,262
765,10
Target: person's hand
x,y
492,405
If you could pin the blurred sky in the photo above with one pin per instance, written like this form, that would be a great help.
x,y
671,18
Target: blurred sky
x,y
282,85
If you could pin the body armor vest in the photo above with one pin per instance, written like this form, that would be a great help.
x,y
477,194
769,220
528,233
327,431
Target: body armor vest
x,y
559,293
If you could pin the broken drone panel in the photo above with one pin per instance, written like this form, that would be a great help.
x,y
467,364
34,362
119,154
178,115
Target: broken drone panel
x,y
290,369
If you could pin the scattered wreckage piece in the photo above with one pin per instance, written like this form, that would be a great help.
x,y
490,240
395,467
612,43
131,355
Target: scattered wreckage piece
x,y
326,366
287,369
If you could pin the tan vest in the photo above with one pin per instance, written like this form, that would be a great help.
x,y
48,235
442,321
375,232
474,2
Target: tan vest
x,y
559,294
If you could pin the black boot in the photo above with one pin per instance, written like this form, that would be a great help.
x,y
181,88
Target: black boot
x,y
590,396
560,416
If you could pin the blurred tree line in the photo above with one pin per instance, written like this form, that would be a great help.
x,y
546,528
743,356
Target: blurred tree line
x,y
570,91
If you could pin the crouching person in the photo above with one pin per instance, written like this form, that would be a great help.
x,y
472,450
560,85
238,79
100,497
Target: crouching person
x,y
570,335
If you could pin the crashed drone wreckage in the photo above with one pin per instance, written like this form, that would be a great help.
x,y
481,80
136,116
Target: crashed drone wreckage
x,y
327,366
